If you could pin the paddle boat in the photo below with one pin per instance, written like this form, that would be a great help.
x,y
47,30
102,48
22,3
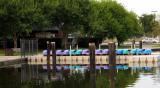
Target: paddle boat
x,y
139,51
78,52
147,52
125,51
44,52
105,52
85,52
59,52
119,51
66,52
133,51
98,52
72,52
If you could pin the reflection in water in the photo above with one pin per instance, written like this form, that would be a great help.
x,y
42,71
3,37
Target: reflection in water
x,y
10,78
149,77
35,76
80,80
149,81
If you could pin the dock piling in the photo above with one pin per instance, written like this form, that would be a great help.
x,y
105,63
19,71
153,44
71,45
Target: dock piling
x,y
48,60
92,65
112,64
53,57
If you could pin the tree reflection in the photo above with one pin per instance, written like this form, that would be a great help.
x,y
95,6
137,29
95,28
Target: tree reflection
x,y
9,78
79,80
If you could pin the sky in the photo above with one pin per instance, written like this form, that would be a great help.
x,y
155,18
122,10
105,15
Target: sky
x,y
141,6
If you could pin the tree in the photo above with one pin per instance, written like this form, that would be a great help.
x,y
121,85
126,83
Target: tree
x,y
11,23
156,29
92,18
18,17
148,22
112,20
131,28
69,16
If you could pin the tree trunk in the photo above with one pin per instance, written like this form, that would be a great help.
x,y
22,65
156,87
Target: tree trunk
x,y
89,39
119,44
97,43
65,41
15,40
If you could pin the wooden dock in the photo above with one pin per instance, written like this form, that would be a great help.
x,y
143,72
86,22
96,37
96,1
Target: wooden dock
x,y
100,60
131,60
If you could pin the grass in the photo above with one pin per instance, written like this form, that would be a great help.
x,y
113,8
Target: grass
x,y
124,47
18,53
1,52
156,45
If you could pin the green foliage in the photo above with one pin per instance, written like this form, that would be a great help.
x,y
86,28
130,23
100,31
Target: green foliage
x,y
110,19
156,29
19,16
69,15
93,18
10,21
149,24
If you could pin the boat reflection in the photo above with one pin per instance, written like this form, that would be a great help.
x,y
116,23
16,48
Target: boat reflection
x,y
132,75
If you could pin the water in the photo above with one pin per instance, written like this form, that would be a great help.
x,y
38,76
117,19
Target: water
x,y
10,78
148,79
36,76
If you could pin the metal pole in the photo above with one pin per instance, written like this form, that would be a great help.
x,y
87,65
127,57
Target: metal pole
x,y
112,65
37,45
29,52
48,61
21,48
77,46
24,49
32,53
36,50
117,45
92,65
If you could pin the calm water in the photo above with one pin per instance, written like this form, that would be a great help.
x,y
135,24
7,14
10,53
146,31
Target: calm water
x,y
36,76
149,80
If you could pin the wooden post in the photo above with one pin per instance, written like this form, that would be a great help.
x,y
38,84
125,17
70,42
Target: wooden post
x,y
48,61
112,65
53,57
92,65
140,44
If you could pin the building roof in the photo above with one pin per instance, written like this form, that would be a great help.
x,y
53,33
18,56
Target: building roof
x,y
49,29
